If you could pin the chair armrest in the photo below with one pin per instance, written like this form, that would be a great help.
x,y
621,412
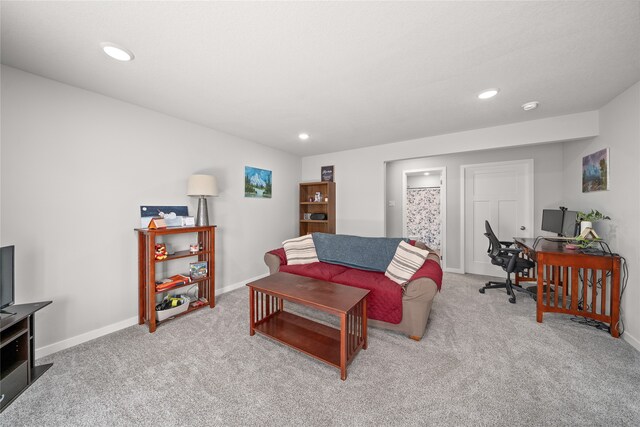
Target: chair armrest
x,y
506,244
511,250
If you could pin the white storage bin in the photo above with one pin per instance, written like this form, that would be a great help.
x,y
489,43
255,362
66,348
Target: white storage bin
x,y
170,312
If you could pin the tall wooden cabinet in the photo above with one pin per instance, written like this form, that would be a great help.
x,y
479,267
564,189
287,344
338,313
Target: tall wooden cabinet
x,y
147,294
311,204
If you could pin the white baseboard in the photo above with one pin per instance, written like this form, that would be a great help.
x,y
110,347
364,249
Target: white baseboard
x,y
632,340
238,285
97,333
453,270
87,336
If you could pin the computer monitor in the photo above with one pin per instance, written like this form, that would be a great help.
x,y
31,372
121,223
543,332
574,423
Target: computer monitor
x,y
552,220
570,224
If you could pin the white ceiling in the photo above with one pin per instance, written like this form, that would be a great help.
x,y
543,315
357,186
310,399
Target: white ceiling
x,y
351,74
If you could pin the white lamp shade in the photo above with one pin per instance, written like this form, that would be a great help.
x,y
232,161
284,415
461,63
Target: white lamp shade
x,y
202,185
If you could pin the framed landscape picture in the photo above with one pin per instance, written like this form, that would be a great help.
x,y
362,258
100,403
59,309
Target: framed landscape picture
x,y
257,182
595,171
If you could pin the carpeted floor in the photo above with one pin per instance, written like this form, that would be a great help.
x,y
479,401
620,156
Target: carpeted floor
x,y
482,361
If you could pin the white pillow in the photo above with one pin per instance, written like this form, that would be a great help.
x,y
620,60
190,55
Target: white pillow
x,y
300,250
406,261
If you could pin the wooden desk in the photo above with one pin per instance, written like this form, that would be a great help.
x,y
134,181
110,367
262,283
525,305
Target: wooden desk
x,y
570,282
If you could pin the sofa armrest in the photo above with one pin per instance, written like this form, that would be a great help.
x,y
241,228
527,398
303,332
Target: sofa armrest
x,y
272,261
416,306
420,290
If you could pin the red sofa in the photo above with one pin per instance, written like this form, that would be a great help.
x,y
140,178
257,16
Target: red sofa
x,y
399,308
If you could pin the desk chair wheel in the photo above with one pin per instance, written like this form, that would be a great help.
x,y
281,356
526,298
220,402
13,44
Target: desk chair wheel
x,y
512,300
481,290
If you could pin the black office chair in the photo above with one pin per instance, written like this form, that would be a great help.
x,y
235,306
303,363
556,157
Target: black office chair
x,y
508,258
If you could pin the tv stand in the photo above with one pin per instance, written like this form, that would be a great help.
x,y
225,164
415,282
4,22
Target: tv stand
x,y
17,352
5,314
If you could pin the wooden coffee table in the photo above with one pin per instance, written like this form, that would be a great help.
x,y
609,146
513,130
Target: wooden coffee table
x,y
332,346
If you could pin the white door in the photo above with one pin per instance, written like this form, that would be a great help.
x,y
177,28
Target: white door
x,y
501,193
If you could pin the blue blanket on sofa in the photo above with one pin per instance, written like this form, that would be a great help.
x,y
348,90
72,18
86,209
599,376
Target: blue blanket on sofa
x,y
364,253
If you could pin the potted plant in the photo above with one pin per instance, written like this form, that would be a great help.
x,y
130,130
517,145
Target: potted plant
x,y
587,219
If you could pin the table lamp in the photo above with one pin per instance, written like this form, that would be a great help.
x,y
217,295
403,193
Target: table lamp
x,y
202,186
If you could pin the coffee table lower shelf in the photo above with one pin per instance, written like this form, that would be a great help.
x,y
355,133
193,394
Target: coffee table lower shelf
x,y
312,338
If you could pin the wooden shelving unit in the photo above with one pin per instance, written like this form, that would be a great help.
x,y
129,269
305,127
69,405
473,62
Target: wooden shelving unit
x,y
147,294
326,206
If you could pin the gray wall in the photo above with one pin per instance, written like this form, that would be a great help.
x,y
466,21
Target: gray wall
x,y
76,166
548,167
432,180
360,173
620,132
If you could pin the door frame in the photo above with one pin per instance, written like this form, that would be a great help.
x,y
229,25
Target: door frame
x,y
443,207
463,198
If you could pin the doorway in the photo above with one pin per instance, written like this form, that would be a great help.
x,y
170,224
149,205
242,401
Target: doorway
x,y
424,207
501,193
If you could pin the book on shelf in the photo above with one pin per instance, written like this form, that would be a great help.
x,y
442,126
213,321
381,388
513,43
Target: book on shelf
x,y
198,269
170,282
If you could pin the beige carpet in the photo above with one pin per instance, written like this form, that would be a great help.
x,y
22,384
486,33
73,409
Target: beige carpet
x,y
483,361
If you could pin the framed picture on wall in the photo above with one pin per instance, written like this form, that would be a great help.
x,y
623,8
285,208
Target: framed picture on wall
x,y
257,182
326,173
595,171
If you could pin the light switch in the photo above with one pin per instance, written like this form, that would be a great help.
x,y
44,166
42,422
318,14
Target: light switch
x,y
392,203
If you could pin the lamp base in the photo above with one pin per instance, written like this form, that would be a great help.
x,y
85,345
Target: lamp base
x,y
202,217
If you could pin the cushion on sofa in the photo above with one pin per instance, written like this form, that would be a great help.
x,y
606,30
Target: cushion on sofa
x,y
300,250
364,253
384,302
316,270
406,261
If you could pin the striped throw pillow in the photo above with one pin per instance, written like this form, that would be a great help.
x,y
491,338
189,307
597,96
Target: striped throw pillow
x,y
300,250
407,260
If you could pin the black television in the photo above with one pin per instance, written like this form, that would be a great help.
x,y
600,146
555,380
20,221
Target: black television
x,y
7,282
552,220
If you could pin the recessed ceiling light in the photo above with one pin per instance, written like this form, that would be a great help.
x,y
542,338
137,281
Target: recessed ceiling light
x,y
426,173
303,136
117,52
489,93
528,106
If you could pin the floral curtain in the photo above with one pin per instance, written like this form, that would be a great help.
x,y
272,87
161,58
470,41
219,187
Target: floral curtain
x,y
423,215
